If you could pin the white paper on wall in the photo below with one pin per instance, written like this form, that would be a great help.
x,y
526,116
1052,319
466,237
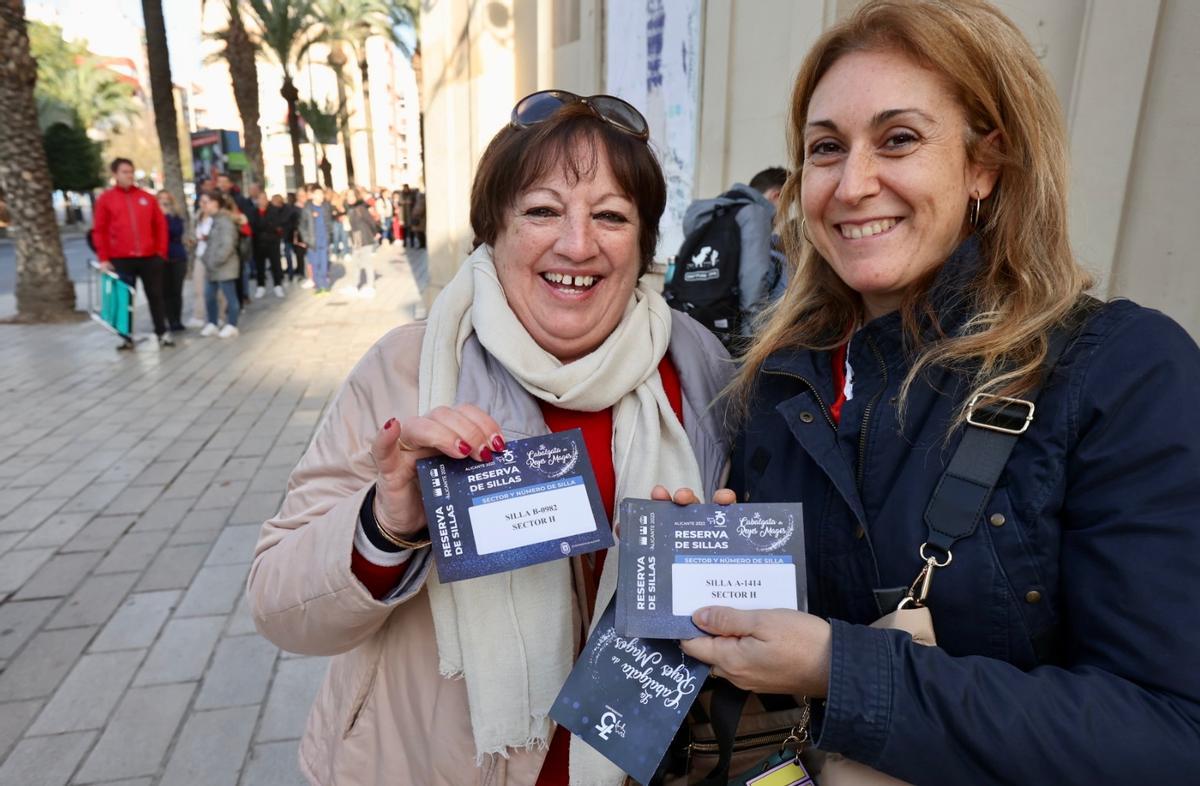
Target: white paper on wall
x,y
652,52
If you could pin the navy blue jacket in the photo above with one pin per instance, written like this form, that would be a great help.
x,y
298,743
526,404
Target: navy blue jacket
x,y
175,250
1068,623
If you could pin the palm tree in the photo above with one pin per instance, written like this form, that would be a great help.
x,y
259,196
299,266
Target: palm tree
x,y
338,19
285,27
350,23
162,93
240,53
44,289
73,80
323,123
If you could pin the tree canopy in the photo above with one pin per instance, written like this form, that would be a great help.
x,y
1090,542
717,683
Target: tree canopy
x,y
74,86
74,159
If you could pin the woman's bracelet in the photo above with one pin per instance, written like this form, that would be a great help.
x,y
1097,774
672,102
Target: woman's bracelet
x,y
401,542
393,539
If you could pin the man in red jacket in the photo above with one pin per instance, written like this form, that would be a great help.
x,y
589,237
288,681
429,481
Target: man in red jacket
x,y
130,234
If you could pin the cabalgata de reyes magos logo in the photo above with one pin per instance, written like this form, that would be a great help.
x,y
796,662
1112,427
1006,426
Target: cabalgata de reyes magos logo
x,y
553,461
766,534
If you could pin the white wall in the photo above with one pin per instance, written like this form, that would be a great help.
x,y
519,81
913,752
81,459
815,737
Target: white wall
x,y
1156,262
469,88
752,51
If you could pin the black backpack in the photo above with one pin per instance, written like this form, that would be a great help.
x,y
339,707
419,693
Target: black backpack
x,y
704,284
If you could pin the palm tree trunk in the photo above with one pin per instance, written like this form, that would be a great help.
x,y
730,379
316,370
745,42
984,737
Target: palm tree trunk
x,y
344,122
162,94
44,289
291,95
243,72
366,91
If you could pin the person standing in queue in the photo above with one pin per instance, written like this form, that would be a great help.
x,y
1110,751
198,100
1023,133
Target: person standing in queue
x,y
267,225
221,259
129,231
364,242
316,236
177,262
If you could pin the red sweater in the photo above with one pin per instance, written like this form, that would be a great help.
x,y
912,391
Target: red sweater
x,y
597,436
128,223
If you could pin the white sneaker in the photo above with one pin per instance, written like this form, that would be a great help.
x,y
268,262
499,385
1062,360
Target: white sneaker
x,y
367,292
209,330
258,293
194,323
306,284
229,331
278,291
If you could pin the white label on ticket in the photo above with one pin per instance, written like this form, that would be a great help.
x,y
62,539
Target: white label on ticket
x,y
740,585
531,518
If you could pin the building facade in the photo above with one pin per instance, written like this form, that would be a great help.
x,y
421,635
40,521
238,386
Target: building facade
x,y
714,77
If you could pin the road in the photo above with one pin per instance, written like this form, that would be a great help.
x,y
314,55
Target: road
x,y
74,246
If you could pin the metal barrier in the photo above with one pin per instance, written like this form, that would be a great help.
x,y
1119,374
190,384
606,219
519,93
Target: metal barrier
x,y
110,300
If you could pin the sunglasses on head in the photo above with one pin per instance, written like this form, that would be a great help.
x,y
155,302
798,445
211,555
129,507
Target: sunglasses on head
x,y
540,106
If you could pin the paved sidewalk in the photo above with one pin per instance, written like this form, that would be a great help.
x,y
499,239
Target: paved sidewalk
x,y
132,487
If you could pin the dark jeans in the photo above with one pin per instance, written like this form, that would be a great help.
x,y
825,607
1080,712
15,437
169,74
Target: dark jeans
x,y
173,292
239,284
301,251
262,255
152,271
289,260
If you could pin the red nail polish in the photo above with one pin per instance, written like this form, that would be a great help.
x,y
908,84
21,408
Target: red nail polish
x,y
389,424
485,454
498,443
464,448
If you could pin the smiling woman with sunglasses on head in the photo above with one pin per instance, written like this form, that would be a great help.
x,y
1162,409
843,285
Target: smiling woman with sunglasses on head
x,y
545,328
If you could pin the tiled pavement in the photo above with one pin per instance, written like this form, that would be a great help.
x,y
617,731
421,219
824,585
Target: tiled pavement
x,y
132,487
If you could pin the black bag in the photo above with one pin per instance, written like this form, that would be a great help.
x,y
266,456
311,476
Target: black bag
x,y
245,247
704,284
728,735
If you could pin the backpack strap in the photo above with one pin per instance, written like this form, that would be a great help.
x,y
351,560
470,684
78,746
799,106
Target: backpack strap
x,y
994,424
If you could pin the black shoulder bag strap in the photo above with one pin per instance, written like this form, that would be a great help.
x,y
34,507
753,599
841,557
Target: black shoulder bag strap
x,y
994,424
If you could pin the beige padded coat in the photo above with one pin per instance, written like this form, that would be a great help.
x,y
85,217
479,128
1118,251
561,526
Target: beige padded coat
x,y
384,715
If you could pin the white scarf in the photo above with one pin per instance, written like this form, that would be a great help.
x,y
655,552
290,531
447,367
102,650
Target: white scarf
x,y
510,635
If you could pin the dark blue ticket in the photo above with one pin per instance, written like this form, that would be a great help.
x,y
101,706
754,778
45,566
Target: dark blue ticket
x,y
627,697
535,501
676,559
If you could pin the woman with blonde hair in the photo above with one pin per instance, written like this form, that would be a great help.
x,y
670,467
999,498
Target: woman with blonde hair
x,y
177,261
977,444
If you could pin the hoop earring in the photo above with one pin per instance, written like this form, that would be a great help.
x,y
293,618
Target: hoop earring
x,y
973,212
804,230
